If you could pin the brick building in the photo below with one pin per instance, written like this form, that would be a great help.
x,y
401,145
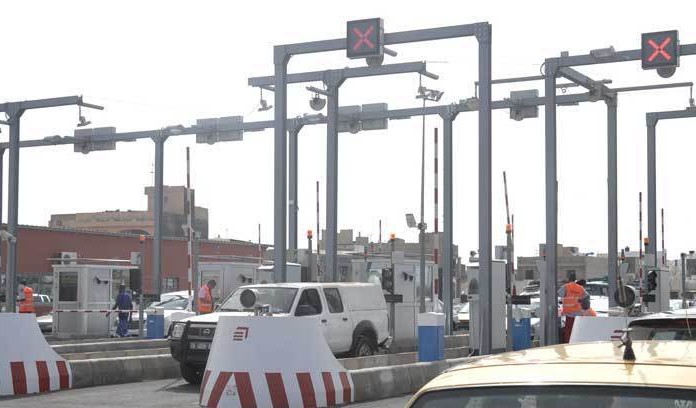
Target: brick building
x,y
38,248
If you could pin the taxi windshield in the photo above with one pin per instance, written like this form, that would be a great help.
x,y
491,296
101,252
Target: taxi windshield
x,y
558,396
280,299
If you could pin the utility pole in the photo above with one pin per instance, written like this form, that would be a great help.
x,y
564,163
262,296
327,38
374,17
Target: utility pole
x,y
509,269
141,315
189,226
14,112
683,279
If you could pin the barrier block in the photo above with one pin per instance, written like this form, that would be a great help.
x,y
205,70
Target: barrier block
x,y
28,365
262,361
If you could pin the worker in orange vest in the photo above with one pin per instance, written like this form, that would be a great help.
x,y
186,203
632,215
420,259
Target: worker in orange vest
x,y
572,292
205,297
26,298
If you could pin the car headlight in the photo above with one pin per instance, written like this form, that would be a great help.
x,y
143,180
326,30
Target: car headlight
x,y
178,330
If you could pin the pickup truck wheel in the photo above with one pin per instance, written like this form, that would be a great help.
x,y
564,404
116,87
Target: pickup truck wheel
x,y
364,346
192,375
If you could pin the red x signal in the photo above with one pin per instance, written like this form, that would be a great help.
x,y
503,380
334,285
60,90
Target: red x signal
x,y
659,49
363,38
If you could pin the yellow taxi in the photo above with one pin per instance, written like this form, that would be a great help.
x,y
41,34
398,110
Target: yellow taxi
x,y
663,374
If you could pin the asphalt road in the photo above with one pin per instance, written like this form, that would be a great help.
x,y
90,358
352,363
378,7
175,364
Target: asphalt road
x,y
163,393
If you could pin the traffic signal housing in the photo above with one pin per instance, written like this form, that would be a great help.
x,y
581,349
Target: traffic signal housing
x,y
652,281
388,279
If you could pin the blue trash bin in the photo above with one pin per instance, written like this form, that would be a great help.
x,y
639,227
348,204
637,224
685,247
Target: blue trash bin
x,y
431,336
521,333
155,324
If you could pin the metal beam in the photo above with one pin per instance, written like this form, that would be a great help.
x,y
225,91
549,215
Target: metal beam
x,y
403,37
447,204
280,61
612,200
620,56
158,203
583,80
293,131
360,72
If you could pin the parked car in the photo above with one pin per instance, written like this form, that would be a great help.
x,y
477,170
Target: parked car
x,y
353,318
674,325
42,304
663,374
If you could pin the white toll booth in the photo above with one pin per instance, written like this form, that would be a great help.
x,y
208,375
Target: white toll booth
x,y
80,292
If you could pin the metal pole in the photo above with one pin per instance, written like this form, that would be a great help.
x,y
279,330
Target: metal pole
x,y
280,60
319,279
421,225
12,211
650,249
189,225
292,189
158,204
331,247
683,280
484,37
392,305
612,228
447,224
549,307
141,315
2,170
509,267
310,264
436,242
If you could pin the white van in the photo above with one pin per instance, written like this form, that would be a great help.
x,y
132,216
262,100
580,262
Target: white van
x,y
353,318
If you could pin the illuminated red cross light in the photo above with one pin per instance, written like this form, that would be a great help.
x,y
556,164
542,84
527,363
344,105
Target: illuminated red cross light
x,y
363,38
659,49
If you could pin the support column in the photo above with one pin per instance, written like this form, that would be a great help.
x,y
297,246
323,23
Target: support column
x,y
333,82
292,189
2,175
447,119
650,250
612,228
280,60
549,307
12,211
484,37
158,218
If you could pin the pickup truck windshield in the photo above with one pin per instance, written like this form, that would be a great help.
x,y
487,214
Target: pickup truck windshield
x,y
280,299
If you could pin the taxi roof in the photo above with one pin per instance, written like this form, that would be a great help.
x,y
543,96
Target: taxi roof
x,y
669,364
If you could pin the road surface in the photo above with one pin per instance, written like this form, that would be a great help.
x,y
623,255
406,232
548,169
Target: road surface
x,y
163,393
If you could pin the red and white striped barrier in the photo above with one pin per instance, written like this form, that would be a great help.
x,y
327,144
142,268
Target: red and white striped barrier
x,y
28,365
273,362
600,328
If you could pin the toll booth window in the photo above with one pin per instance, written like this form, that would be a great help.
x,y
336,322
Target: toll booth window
x,y
333,298
309,303
67,287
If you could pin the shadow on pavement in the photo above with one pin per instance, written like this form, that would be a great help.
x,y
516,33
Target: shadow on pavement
x,y
180,386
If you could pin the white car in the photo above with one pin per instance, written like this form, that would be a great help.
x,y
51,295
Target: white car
x,y
353,318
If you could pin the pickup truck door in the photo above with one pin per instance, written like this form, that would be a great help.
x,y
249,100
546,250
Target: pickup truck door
x,y
339,321
310,306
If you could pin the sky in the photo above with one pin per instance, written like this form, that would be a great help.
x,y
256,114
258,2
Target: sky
x,y
159,63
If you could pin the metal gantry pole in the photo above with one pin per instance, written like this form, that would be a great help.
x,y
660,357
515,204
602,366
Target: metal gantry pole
x,y
333,83
2,174
292,188
549,307
447,117
280,60
683,280
158,218
484,37
612,202
650,249
12,210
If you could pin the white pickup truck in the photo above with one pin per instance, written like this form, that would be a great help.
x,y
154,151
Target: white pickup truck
x,y
353,317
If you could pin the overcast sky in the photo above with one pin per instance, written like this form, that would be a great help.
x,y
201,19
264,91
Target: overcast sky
x,y
160,63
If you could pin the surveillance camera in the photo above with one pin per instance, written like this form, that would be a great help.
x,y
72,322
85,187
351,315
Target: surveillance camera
x,y
317,103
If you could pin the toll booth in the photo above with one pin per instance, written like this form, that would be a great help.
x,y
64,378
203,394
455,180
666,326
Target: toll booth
x,y
498,328
80,292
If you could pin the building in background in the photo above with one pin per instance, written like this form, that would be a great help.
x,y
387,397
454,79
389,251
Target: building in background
x,y
39,248
140,222
570,262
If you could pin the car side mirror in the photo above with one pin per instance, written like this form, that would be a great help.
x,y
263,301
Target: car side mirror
x,y
305,310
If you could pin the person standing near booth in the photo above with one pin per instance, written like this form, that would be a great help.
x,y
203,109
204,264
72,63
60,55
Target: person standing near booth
x,y
123,302
572,293
205,297
26,298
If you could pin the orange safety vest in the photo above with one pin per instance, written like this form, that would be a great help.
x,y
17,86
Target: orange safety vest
x,y
205,300
27,305
571,301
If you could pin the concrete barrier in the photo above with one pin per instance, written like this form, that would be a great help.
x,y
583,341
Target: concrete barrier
x,y
105,371
108,346
384,360
114,354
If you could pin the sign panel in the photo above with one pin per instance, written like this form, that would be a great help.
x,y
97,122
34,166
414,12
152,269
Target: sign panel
x,y
94,139
660,49
226,129
365,38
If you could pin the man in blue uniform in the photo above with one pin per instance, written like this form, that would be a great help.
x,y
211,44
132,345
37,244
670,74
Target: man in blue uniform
x,y
123,302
